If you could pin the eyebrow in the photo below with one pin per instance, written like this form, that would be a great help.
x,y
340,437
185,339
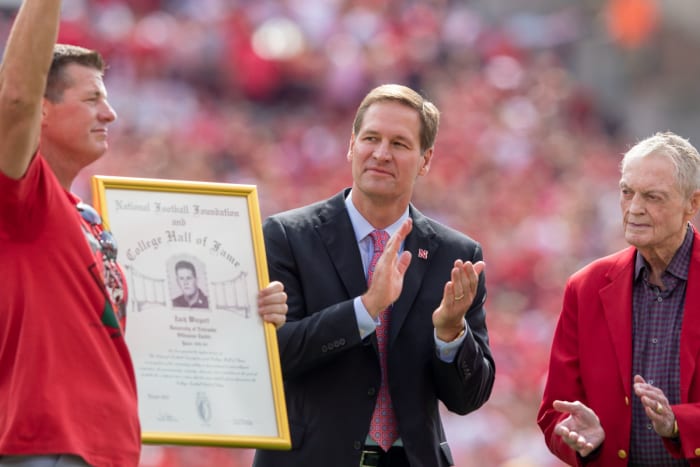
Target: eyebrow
x,y
371,132
653,191
97,90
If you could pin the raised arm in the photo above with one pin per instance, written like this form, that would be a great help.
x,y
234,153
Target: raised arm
x,y
23,72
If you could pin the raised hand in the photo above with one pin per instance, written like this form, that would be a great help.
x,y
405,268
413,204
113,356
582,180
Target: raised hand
x,y
387,279
656,407
581,430
457,297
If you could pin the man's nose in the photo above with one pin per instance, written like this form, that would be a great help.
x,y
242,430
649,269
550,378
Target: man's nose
x,y
107,112
382,151
637,203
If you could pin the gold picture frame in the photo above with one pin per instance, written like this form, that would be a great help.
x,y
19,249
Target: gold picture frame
x,y
208,372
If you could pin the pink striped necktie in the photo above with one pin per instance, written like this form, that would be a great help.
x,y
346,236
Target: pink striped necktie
x,y
383,428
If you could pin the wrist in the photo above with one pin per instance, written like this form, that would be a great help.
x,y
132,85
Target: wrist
x,y
451,334
372,308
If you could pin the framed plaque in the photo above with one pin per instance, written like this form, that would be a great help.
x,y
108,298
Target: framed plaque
x,y
207,366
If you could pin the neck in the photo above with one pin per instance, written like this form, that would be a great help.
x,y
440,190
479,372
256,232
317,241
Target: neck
x,y
659,259
379,212
62,167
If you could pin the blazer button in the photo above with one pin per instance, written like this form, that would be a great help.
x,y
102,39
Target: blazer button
x,y
342,341
622,454
324,348
697,451
357,445
371,392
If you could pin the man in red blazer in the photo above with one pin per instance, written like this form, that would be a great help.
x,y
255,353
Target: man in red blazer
x,y
624,385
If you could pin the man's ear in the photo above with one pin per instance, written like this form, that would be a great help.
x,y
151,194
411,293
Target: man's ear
x,y
426,160
350,146
693,204
45,109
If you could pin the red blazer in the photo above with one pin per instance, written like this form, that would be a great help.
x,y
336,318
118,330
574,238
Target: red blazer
x,y
591,359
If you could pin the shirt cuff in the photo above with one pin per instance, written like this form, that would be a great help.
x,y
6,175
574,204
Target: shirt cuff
x,y
447,351
365,324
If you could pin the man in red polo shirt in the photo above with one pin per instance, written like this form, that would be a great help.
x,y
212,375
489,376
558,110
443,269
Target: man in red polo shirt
x,y
67,385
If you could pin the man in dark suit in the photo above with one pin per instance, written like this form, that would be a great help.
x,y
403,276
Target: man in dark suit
x,y
353,354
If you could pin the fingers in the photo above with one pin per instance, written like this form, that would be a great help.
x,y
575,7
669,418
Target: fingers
x,y
395,241
403,262
568,407
655,407
458,295
577,441
578,410
478,267
581,429
660,414
391,261
563,406
460,282
271,288
468,273
653,399
574,440
464,280
272,304
278,319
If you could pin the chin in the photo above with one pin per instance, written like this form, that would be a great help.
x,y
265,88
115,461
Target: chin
x,y
635,241
380,189
99,152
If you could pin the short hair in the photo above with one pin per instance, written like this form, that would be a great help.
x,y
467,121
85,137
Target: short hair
x,y
678,149
64,55
182,264
427,111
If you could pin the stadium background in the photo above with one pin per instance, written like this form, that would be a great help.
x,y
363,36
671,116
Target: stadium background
x,y
539,99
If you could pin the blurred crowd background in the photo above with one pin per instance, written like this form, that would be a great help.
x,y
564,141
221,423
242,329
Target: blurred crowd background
x,y
539,100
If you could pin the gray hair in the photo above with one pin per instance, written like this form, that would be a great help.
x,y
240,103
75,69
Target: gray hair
x,y
679,150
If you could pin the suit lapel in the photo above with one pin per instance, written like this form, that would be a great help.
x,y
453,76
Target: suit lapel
x,y
616,298
337,234
421,239
690,332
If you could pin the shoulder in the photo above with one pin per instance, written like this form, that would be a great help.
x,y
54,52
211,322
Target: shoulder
x,y
37,172
610,267
179,300
312,214
444,233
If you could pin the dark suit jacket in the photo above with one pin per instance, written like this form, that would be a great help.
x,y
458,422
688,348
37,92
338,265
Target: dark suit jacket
x,y
181,302
591,359
331,376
